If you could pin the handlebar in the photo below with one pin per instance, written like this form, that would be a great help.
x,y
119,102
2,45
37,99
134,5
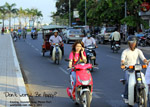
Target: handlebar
x,y
133,67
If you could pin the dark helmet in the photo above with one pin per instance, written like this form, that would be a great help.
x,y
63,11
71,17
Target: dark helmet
x,y
132,39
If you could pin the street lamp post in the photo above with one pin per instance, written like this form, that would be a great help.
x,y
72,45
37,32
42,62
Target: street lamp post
x,y
85,14
125,16
70,13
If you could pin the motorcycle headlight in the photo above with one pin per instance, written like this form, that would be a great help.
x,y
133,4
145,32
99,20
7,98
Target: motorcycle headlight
x,y
84,82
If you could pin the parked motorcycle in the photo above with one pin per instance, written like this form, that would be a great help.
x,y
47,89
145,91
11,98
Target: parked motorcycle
x,y
56,54
142,41
137,87
116,47
90,55
148,40
83,86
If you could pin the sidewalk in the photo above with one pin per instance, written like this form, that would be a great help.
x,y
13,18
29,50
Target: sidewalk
x,y
12,87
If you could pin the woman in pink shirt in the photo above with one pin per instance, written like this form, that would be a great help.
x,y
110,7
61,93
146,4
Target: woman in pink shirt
x,y
77,54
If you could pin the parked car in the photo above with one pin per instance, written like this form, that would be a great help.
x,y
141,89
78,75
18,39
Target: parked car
x,y
73,35
104,35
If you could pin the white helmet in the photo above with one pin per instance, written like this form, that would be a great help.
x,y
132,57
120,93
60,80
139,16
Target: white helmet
x,y
55,31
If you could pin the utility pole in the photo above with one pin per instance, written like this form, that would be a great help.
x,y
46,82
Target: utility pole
x,y
69,13
125,17
85,14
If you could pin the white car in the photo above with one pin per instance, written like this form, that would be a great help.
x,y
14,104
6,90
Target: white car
x,y
73,35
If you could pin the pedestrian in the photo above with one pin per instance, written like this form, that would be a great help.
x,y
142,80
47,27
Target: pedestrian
x,y
3,30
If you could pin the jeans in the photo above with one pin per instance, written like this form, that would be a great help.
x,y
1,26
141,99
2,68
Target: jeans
x,y
73,73
126,84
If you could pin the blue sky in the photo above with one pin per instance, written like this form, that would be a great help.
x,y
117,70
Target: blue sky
x,y
46,6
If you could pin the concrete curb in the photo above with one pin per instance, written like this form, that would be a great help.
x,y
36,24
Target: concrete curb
x,y
22,88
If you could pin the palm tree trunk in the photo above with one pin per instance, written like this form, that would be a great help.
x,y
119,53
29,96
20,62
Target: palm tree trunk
x,y
3,22
9,21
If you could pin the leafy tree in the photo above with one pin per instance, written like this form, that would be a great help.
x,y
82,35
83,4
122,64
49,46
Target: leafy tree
x,y
3,13
10,9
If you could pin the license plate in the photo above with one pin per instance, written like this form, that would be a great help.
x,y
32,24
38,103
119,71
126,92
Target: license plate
x,y
117,44
77,35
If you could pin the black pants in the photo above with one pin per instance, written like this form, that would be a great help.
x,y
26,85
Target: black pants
x,y
113,42
93,51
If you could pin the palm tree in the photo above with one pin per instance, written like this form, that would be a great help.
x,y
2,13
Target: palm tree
x,y
3,13
10,9
39,14
15,15
20,15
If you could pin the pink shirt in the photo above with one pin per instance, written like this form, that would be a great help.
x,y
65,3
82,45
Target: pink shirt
x,y
76,57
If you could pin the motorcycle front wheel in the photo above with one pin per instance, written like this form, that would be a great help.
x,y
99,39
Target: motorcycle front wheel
x,y
142,99
86,99
57,59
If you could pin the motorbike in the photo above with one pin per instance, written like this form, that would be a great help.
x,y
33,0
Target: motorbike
x,y
14,36
142,41
83,86
148,40
56,54
34,35
137,87
19,35
116,47
90,55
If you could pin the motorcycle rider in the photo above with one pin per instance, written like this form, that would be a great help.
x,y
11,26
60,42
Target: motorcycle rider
x,y
130,56
55,39
24,33
90,41
19,32
115,38
32,32
77,54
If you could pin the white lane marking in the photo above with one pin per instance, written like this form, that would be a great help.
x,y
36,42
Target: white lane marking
x,y
32,46
95,95
36,49
113,57
63,70
49,60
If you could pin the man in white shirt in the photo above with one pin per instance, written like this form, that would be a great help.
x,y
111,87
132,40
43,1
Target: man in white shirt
x,y
115,37
54,39
130,56
90,41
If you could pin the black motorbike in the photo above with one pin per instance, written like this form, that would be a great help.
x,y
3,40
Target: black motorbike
x,y
148,40
116,46
14,36
142,41
90,55
34,35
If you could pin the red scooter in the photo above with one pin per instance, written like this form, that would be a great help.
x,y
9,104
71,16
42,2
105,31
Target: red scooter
x,y
83,86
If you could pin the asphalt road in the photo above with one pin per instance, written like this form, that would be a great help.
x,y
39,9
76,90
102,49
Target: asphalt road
x,y
47,82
